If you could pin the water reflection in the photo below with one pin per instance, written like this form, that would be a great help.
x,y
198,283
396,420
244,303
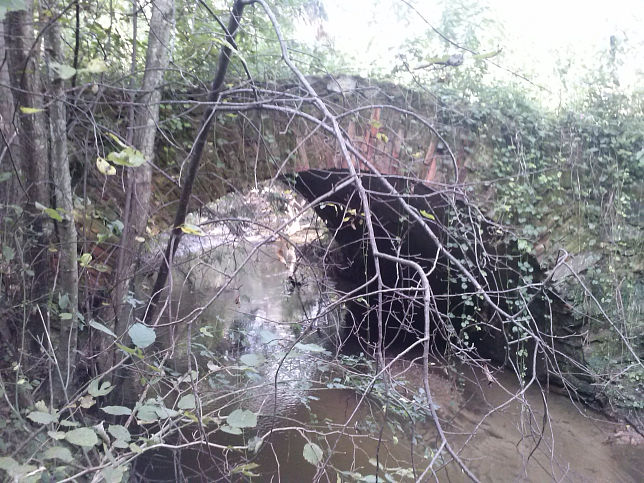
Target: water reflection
x,y
268,349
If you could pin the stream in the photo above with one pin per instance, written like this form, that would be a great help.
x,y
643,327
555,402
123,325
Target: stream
x,y
268,321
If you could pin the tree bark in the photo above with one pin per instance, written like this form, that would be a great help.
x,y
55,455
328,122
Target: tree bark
x,y
68,242
139,180
32,136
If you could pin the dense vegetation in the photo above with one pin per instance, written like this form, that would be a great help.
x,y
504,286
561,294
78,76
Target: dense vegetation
x,y
109,140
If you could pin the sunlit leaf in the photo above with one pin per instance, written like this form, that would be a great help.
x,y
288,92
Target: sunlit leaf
x,y
58,452
30,110
63,71
82,437
98,326
189,229
128,157
142,336
65,316
104,167
117,410
85,259
426,214
96,66
242,418
187,402
312,453
56,434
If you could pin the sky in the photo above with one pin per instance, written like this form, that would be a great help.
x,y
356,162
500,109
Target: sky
x,y
535,35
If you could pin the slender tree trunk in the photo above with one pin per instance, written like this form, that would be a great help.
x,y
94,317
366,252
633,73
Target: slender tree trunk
x,y
32,136
68,269
8,168
145,126
195,157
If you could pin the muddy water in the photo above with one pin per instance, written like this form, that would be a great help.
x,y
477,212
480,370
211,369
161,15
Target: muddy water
x,y
265,322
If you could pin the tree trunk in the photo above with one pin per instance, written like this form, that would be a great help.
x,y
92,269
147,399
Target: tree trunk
x,y
68,243
24,76
195,157
140,179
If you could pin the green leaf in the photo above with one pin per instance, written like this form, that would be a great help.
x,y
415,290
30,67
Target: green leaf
x,y
50,212
117,410
101,327
96,66
120,432
426,214
8,464
57,435
252,360
41,417
113,475
63,71
66,316
147,413
241,418
85,259
187,402
95,390
8,253
230,429
5,175
142,336
130,157
85,437
58,452
309,348
312,453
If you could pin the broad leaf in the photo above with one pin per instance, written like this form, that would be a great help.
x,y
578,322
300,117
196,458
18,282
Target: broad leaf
x,y
129,157
312,453
187,402
58,452
117,410
104,167
63,71
98,326
96,66
242,418
142,335
252,360
230,429
189,229
85,437
41,417
119,431
113,475
95,390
